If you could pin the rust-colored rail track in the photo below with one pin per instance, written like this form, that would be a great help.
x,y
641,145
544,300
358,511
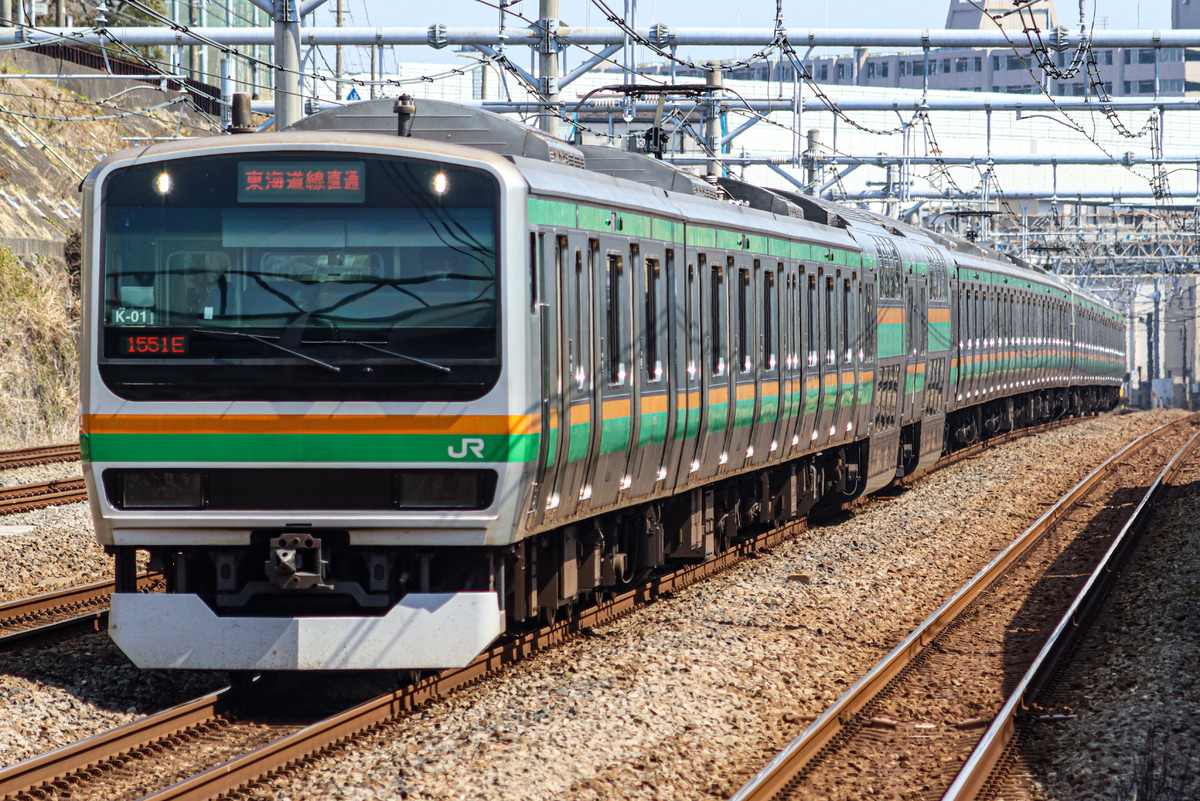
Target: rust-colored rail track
x,y
40,615
858,716
75,767
986,768
26,497
47,454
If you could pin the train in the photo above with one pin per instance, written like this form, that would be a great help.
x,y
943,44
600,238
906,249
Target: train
x,y
372,391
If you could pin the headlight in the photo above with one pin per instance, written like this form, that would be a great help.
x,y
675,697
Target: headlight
x,y
444,489
161,489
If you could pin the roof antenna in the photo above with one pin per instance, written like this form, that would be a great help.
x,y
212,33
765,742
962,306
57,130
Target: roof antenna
x,y
405,110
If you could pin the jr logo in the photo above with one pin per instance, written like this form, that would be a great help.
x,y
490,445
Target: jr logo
x,y
469,444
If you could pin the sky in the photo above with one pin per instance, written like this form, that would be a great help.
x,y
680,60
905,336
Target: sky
x,y
727,13
1113,14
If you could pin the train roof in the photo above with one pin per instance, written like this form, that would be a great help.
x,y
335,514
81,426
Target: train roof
x,y
453,123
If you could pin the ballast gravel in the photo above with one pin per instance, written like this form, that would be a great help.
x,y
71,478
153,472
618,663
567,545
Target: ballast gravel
x,y
36,473
688,698
693,695
49,549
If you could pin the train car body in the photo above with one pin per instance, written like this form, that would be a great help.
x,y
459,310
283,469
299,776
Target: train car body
x,y
369,400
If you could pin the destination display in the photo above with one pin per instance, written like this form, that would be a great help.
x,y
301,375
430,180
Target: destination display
x,y
154,345
301,182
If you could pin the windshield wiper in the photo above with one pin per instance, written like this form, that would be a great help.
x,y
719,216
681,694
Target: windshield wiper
x,y
404,356
218,334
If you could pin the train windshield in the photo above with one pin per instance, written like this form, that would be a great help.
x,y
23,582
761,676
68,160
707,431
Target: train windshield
x,y
307,276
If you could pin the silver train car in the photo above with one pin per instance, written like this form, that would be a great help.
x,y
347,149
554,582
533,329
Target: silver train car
x,y
369,400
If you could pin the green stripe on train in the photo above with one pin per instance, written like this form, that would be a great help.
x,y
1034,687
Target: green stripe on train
x,y
433,448
653,429
718,413
743,413
891,340
614,435
578,446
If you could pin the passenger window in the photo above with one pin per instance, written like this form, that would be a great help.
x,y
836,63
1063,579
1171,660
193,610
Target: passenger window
x,y
745,362
770,320
829,309
813,346
654,367
847,323
870,323
614,269
716,289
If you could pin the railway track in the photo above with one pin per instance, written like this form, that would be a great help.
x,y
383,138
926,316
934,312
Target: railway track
x,y
85,769
912,721
26,497
47,454
83,606
990,764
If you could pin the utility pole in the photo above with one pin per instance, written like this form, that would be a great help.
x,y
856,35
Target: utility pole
x,y
548,72
712,123
6,16
288,109
337,61
205,76
810,159
193,50
373,87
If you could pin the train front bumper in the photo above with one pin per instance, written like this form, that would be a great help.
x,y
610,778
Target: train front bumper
x,y
423,631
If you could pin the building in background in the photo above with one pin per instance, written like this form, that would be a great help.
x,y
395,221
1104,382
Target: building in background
x,y
1123,72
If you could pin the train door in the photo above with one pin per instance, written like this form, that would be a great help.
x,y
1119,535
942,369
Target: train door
x,y
921,377
715,372
744,325
793,356
827,312
654,401
547,251
915,347
972,382
813,355
957,345
768,410
612,309
865,343
689,383
849,323
576,358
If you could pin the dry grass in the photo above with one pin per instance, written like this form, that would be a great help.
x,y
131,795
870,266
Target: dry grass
x,y
1154,775
39,360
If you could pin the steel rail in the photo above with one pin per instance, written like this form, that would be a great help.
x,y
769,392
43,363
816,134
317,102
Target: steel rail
x,y
73,599
783,770
976,772
24,497
24,457
107,746
319,737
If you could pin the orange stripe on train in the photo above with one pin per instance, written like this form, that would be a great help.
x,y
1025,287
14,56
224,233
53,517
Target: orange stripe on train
x,y
310,424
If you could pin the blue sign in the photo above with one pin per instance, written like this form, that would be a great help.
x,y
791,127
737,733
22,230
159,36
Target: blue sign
x,y
353,94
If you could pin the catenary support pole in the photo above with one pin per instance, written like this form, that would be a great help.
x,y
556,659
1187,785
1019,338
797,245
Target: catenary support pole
x,y
337,59
548,67
287,60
